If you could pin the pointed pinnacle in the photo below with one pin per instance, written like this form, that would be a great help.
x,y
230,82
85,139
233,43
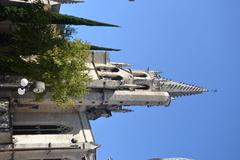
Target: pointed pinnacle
x,y
178,89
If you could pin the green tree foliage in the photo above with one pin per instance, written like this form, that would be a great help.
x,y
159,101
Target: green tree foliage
x,y
63,68
24,15
13,45
28,38
37,51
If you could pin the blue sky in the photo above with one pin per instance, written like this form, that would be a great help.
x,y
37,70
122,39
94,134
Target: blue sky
x,y
188,40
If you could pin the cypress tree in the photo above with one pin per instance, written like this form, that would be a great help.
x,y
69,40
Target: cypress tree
x,y
29,13
8,45
57,18
98,48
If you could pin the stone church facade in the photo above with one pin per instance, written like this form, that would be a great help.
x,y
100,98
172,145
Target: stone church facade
x,y
31,130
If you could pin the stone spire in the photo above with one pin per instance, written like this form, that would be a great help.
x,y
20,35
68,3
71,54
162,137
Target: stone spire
x,y
178,89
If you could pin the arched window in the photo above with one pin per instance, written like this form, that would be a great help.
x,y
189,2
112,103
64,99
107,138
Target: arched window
x,y
40,129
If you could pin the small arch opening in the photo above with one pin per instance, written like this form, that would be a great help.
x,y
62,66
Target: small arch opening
x,y
115,70
118,78
144,87
140,75
107,69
